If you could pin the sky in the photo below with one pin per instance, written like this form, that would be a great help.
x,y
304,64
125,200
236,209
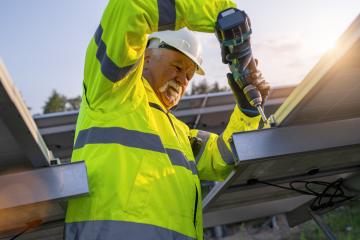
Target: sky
x,y
43,43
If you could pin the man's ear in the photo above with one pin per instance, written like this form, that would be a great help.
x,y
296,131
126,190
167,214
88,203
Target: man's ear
x,y
148,54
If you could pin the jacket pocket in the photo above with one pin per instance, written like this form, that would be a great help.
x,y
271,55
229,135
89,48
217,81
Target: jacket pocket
x,y
142,186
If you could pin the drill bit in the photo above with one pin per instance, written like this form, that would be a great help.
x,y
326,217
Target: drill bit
x,y
261,111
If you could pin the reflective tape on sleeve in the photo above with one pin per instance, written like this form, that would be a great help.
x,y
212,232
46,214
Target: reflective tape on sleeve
x,y
204,137
167,15
225,153
108,68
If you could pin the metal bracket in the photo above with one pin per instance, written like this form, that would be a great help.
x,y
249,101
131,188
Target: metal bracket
x,y
324,228
43,184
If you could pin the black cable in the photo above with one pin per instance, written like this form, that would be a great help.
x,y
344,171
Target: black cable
x,y
329,195
29,225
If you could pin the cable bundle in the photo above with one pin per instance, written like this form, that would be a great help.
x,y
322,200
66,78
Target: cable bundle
x,y
326,194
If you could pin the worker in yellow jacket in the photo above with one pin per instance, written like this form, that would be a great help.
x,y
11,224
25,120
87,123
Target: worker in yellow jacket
x,y
143,174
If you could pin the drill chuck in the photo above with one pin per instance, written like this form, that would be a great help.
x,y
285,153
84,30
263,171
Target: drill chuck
x,y
254,98
252,95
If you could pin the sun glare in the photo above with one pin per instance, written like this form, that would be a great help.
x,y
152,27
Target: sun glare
x,y
319,42
322,44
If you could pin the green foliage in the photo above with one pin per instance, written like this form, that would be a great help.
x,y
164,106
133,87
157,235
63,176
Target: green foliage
x,y
60,103
55,103
344,222
73,103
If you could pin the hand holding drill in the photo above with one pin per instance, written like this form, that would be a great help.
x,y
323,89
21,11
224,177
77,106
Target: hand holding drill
x,y
233,31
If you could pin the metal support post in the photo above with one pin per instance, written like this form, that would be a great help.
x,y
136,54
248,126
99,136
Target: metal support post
x,y
319,221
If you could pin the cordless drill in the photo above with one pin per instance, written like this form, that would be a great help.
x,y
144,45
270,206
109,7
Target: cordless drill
x,y
233,30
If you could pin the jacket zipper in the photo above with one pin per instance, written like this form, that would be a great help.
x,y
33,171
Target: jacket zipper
x,y
154,105
173,127
196,203
196,190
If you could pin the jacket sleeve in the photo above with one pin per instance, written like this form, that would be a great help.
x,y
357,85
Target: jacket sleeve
x,y
114,57
215,160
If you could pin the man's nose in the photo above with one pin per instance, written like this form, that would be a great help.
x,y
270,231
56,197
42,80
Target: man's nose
x,y
182,79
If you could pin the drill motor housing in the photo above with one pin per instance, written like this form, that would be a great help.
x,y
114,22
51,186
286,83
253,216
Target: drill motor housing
x,y
233,30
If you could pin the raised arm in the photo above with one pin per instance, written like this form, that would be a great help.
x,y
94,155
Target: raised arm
x,y
114,58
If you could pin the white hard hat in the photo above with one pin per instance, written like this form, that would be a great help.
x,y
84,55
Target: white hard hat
x,y
183,40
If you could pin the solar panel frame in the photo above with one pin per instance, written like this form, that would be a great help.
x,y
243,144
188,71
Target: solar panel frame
x,y
16,118
269,148
324,89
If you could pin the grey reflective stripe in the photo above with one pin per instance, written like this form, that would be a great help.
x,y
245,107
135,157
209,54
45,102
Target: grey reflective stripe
x,y
204,137
167,15
117,135
108,68
193,167
131,138
119,230
224,151
178,159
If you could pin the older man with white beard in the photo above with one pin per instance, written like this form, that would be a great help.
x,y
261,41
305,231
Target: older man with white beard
x,y
144,172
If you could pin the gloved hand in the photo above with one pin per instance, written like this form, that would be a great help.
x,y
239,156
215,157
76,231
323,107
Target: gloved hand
x,y
256,79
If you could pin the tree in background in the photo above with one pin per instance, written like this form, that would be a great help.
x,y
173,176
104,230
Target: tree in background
x,y
60,103
217,88
55,103
73,103
204,87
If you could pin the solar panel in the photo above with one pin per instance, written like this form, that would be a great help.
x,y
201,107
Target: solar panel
x,y
316,138
324,151
58,129
23,144
331,89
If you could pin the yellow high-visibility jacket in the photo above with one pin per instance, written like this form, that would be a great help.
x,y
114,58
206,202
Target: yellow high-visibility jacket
x,y
143,176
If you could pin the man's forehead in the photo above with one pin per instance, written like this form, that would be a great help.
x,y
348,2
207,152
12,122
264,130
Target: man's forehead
x,y
184,60
175,57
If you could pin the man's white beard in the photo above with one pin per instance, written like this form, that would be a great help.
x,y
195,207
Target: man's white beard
x,y
172,84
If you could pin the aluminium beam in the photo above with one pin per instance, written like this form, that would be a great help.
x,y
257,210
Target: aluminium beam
x,y
198,116
43,184
275,142
51,229
17,118
255,210
198,112
15,220
58,129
